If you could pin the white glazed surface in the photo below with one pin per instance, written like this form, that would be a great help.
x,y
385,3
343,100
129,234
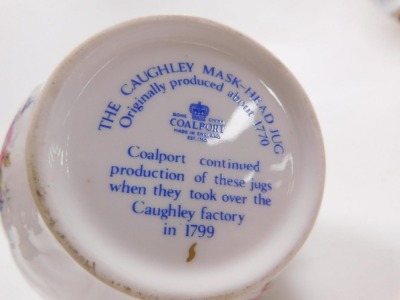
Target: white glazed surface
x,y
34,248
348,240
287,156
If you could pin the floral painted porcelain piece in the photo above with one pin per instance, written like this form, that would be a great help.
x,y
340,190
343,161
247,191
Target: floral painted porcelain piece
x,y
165,158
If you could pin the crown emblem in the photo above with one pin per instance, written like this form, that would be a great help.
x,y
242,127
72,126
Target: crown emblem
x,y
199,111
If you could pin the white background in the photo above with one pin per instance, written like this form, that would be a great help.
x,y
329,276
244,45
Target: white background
x,y
346,54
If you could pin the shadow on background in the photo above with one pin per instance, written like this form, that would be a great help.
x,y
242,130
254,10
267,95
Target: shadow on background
x,y
339,262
